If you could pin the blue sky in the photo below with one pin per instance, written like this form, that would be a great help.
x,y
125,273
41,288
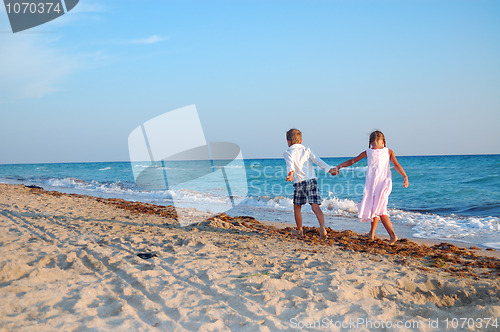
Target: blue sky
x,y
426,73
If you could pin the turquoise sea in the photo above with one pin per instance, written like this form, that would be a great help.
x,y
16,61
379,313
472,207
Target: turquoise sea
x,y
450,197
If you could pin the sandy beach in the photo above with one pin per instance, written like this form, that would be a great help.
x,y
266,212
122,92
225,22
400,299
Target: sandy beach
x,y
79,263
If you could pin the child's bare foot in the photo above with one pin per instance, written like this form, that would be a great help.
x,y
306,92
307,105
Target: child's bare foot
x,y
323,234
370,236
393,240
298,233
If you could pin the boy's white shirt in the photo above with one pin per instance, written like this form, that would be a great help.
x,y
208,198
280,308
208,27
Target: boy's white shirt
x,y
299,159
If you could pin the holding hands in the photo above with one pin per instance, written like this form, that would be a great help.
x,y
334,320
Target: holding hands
x,y
405,182
334,171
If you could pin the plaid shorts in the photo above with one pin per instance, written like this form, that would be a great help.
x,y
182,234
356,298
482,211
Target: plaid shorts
x,y
306,191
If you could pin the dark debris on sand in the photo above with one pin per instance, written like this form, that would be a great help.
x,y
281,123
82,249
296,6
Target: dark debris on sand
x,y
462,262
138,207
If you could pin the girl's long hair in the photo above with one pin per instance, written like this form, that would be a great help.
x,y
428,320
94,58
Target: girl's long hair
x,y
377,134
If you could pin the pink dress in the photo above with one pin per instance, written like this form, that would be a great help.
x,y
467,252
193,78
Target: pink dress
x,y
378,185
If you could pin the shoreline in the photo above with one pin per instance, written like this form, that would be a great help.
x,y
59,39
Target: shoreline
x,y
478,229
224,221
75,262
403,228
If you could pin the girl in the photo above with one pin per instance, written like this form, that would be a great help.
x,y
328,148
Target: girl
x,y
378,183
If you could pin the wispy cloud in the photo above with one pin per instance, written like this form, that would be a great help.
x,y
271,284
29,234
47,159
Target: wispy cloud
x,y
148,40
31,65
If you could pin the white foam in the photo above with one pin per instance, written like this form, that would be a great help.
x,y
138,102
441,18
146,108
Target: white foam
x,y
331,206
494,245
433,226
65,182
278,202
342,207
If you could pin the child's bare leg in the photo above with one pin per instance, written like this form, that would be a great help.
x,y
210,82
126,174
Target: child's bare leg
x,y
321,219
297,212
388,227
374,224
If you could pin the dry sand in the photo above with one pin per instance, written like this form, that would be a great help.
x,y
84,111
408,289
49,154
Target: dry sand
x,y
70,263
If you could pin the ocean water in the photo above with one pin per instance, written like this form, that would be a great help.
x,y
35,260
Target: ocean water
x,y
450,197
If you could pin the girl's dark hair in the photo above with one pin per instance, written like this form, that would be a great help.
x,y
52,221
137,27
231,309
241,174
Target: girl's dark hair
x,y
377,134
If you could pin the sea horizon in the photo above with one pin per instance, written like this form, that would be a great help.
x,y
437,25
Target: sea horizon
x,y
274,158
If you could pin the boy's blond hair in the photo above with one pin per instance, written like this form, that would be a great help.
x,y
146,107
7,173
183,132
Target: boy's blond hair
x,y
294,136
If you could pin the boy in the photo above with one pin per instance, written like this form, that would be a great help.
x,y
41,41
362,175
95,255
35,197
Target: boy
x,y
299,160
